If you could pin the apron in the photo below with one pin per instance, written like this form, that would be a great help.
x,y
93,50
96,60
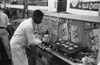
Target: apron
x,y
19,56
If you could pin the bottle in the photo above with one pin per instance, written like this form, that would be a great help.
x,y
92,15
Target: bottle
x,y
46,36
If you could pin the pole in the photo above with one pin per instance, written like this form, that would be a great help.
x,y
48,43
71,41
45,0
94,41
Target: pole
x,y
99,10
25,9
4,4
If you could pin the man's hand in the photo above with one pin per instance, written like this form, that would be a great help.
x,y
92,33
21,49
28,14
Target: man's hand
x,y
37,41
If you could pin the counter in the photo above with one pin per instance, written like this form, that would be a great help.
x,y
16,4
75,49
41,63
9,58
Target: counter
x,y
57,54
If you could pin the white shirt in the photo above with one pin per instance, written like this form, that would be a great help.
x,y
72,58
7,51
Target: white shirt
x,y
99,63
4,21
24,34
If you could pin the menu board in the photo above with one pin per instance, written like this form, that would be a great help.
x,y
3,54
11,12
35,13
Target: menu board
x,y
92,5
83,7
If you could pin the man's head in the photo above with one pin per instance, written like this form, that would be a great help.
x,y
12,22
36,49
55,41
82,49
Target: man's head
x,y
37,16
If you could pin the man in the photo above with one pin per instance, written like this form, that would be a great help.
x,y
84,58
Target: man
x,y
4,23
98,57
25,35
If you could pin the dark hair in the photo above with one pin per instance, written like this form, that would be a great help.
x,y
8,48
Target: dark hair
x,y
37,14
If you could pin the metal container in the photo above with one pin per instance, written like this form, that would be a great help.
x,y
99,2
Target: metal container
x,y
46,38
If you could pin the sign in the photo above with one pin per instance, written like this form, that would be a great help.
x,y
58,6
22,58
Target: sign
x,y
83,7
93,39
92,5
63,29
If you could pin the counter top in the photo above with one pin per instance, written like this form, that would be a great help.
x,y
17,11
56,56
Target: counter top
x,y
59,55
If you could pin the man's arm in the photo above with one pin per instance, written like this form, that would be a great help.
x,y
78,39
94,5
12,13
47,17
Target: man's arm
x,y
7,20
31,37
9,27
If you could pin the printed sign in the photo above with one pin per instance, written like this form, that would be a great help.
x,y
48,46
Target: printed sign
x,y
63,29
93,39
85,5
